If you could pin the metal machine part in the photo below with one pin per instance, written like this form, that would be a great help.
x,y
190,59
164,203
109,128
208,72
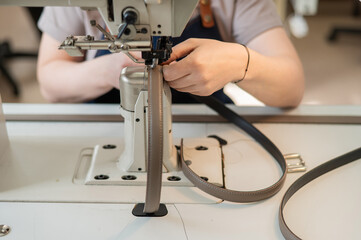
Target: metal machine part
x,y
4,230
134,109
130,17
204,156
75,45
132,81
295,163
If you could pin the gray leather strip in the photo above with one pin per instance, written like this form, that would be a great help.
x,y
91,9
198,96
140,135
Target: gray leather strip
x,y
231,195
308,177
155,139
227,194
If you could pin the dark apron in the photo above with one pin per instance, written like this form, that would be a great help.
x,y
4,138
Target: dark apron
x,y
194,29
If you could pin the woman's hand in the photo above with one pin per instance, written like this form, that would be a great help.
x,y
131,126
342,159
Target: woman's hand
x,y
115,63
64,78
274,75
207,66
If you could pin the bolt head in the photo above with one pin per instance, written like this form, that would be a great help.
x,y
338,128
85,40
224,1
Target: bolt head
x,y
4,230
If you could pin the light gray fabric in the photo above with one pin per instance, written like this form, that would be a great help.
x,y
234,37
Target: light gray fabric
x,y
238,20
61,22
242,20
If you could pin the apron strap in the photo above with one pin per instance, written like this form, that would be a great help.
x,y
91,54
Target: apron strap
x,y
206,13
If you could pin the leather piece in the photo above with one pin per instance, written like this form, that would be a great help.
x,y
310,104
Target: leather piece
x,y
231,195
308,177
155,139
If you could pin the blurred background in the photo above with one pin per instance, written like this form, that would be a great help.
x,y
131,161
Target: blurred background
x,y
332,68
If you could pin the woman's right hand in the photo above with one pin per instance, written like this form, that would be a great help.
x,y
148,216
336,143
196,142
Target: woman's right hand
x,y
116,62
64,78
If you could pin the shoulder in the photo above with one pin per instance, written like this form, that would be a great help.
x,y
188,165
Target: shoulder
x,y
62,13
246,19
60,22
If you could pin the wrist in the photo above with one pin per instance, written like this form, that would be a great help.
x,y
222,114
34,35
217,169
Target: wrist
x,y
241,76
113,66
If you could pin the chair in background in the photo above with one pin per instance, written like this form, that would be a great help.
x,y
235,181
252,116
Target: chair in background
x,y
6,52
348,30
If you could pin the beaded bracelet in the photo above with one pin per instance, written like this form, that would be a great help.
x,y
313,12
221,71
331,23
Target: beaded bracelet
x,y
245,71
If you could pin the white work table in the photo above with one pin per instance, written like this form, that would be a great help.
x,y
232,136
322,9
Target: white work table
x,y
41,197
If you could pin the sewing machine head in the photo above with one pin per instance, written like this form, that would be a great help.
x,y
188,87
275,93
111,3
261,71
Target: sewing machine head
x,y
132,25
137,25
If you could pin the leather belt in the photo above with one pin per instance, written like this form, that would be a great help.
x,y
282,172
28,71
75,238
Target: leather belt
x,y
308,177
231,195
152,206
155,140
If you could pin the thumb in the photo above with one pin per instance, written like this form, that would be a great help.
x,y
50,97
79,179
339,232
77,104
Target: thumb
x,y
182,50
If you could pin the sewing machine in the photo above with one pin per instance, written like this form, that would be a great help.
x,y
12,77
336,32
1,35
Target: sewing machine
x,y
146,27
67,171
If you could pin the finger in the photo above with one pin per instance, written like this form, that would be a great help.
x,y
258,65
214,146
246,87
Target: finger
x,y
177,70
190,89
195,90
182,49
182,82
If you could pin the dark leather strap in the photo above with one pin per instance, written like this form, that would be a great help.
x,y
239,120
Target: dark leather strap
x,y
230,195
308,177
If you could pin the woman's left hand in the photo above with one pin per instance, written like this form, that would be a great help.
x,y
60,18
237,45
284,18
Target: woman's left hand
x,y
207,66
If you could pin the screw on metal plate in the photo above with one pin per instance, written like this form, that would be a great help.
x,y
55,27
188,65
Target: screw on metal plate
x,y
201,148
129,177
295,163
4,230
109,146
101,177
174,179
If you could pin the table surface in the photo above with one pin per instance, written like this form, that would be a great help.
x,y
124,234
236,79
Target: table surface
x,y
40,200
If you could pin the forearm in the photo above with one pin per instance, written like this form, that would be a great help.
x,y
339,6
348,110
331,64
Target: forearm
x,y
64,78
66,81
274,80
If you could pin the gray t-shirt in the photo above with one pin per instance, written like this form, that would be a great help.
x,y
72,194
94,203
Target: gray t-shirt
x,y
238,20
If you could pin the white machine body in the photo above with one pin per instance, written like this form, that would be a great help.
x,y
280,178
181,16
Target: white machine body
x,y
134,105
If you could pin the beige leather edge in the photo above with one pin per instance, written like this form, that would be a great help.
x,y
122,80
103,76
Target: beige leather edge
x,y
4,140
